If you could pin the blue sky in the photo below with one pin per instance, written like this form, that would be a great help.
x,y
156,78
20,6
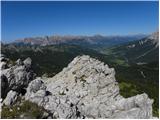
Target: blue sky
x,y
30,19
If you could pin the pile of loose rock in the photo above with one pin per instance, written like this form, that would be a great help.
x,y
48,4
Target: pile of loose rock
x,y
87,88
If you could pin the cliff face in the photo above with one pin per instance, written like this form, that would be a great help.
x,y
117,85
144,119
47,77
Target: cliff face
x,y
86,88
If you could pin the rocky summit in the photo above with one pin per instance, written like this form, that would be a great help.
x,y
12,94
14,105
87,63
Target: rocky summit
x,y
86,88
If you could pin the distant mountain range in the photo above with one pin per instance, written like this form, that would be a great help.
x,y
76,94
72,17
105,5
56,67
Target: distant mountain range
x,y
79,40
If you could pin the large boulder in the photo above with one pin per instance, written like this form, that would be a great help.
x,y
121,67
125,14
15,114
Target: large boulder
x,y
36,92
87,88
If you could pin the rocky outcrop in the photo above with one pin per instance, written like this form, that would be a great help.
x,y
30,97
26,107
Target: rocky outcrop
x,y
87,88
15,77
36,92
10,98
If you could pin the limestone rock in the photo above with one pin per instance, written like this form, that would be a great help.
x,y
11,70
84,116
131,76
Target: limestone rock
x,y
36,92
87,88
137,107
11,98
27,62
3,65
19,62
16,77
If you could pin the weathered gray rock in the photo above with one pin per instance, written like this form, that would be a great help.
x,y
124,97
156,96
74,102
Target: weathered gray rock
x,y
19,62
3,65
27,62
87,89
16,77
10,98
36,92
137,107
